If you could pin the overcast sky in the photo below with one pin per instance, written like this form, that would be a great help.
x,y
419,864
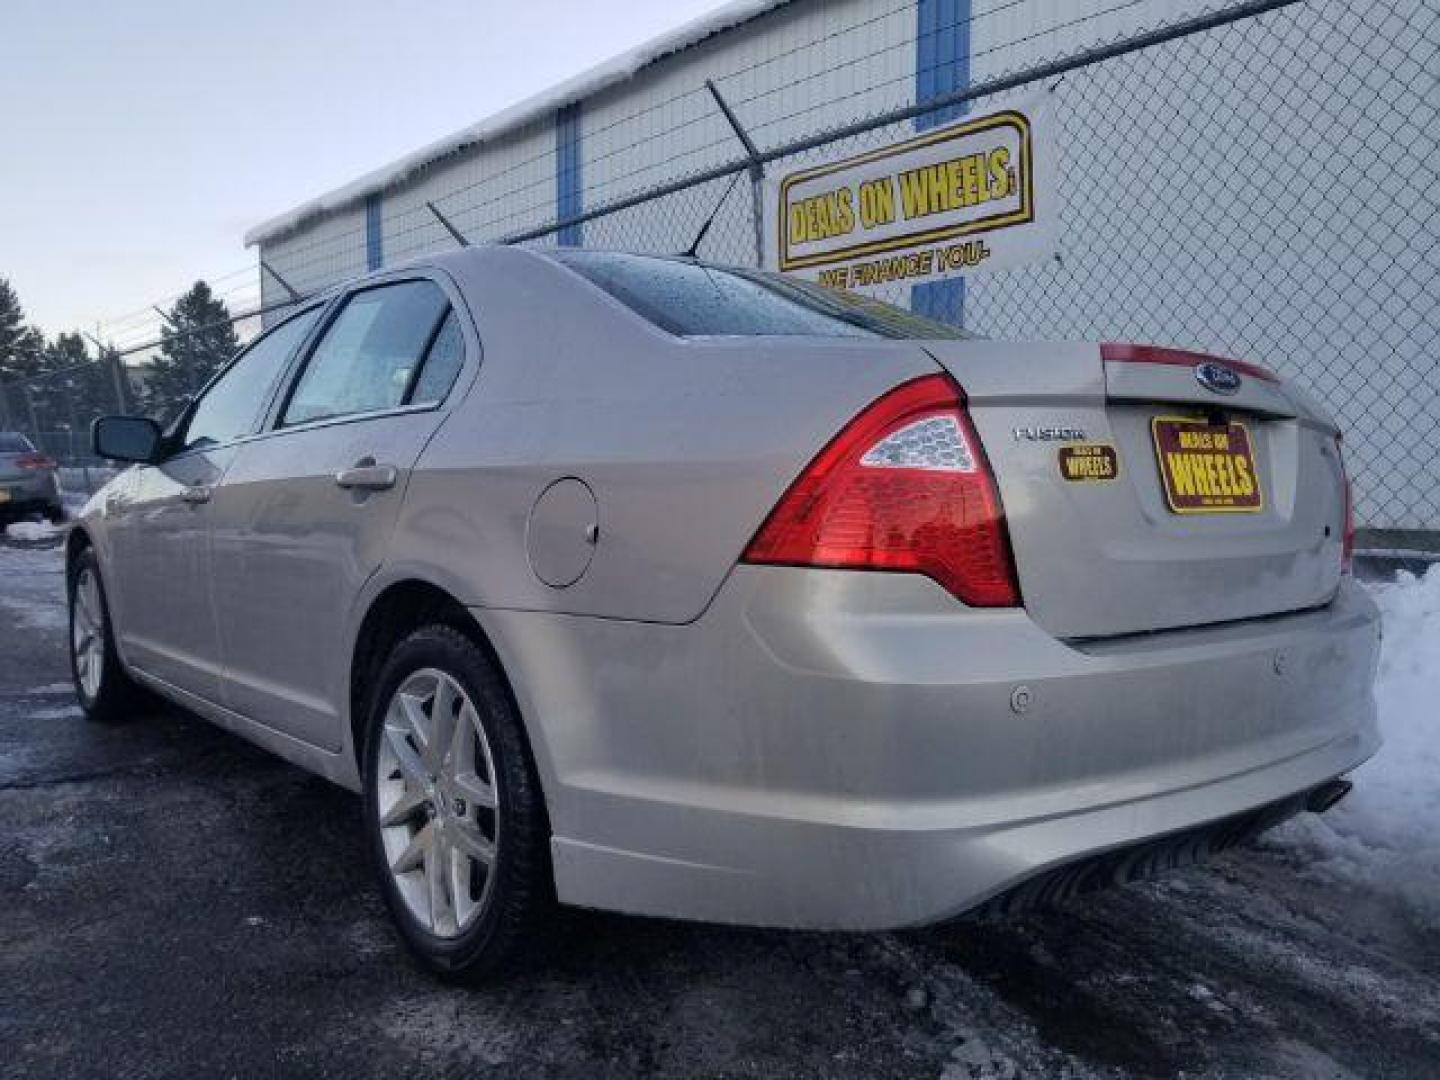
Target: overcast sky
x,y
139,140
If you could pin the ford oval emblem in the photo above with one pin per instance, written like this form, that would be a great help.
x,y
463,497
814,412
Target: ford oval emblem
x,y
1217,378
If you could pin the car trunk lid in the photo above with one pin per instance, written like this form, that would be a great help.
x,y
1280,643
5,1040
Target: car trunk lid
x,y
1104,544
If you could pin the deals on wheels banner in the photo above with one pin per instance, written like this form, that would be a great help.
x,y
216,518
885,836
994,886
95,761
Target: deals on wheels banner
x,y
968,197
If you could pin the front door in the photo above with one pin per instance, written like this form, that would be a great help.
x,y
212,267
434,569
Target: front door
x,y
160,550
160,517
307,508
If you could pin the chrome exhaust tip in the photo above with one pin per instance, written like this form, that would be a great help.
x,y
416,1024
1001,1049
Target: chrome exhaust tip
x,y
1327,795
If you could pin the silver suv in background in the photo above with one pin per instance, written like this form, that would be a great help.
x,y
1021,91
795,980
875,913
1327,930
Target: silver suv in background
x,y
683,590
29,481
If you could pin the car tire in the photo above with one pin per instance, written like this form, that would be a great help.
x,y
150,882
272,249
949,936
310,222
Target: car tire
x,y
106,695
433,812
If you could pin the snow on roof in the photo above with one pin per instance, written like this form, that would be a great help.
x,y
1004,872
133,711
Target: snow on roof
x,y
616,69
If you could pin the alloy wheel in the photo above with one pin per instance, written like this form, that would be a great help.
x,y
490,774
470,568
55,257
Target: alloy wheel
x,y
87,632
439,816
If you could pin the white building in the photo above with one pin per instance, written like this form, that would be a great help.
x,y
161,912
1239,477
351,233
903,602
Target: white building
x,y
1263,189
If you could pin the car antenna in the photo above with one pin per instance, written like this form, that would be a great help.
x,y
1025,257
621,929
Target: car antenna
x,y
689,253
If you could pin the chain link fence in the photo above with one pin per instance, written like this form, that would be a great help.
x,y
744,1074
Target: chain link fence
x,y
1259,181
1266,188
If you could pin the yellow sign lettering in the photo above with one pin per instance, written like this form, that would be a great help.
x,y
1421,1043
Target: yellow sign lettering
x,y
1181,473
822,216
877,202
1245,482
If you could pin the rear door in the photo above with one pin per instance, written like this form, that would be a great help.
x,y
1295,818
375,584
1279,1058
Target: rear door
x,y
1139,498
307,508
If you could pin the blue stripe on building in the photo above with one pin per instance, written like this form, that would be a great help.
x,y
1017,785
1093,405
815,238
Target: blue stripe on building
x,y
567,173
942,65
374,238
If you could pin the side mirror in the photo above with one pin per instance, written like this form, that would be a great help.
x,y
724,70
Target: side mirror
x,y
127,438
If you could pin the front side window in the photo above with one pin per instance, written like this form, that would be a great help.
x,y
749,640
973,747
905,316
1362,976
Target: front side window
x,y
692,299
232,405
369,359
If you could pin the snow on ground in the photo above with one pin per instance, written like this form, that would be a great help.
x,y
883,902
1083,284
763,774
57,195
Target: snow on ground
x,y
33,531
1386,835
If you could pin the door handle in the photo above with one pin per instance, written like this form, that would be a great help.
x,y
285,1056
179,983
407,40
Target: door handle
x,y
370,477
196,494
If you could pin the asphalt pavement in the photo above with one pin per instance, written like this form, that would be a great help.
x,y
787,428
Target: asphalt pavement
x,y
175,902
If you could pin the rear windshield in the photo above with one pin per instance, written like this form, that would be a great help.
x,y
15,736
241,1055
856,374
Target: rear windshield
x,y
12,443
696,300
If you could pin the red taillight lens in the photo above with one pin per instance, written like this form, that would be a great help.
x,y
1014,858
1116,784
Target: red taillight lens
x,y
905,487
1120,352
35,461
1347,542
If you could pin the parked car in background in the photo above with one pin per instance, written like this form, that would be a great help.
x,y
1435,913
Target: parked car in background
x,y
680,590
29,481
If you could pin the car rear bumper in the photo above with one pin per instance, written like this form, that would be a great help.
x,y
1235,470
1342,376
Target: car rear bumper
x,y
842,750
29,492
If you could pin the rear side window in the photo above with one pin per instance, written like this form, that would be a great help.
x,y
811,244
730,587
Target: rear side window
x,y
370,357
14,443
695,300
232,405
442,364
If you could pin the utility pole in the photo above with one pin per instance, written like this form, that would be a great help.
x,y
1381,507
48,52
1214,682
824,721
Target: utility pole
x,y
117,370
30,410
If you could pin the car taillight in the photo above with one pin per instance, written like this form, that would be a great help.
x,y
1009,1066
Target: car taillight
x,y
35,461
1347,541
904,487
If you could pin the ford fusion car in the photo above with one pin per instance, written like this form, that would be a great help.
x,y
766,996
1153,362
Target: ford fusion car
x,y
642,584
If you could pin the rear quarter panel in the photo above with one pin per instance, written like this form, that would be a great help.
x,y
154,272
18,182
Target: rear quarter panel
x,y
686,444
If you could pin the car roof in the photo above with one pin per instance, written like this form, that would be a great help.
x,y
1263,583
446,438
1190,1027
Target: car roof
x,y
497,257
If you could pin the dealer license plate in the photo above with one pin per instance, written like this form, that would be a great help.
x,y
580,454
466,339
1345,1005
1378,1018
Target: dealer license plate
x,y
1206,468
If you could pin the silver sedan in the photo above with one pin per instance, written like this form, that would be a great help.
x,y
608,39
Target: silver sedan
x,y
28,480
647,585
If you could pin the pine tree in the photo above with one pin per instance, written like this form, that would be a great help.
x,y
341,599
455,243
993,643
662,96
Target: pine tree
x,y
20,345
20,349
197,340
70,390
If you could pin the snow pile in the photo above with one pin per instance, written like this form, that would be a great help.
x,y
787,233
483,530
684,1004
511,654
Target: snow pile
x,y
34,532
1386,835
612,71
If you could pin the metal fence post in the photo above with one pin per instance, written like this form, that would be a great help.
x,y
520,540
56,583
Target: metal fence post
x,y
757,172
